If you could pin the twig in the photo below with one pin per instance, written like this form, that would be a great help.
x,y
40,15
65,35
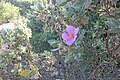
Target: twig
x,y
94,50
107,8
84,46
92,74
107,48
114,48
82,74
95,70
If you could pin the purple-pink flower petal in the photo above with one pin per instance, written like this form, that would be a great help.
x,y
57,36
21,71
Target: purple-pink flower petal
x,y
70,29
65,36
74,38
69,42
76,30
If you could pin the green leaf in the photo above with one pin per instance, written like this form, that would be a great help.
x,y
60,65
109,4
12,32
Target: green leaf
x,y
52,41
55,49
68,58
80,37
62,2
0,42
111,22
81,1
77,57
76,5
115,30
44,0
87,3
32,73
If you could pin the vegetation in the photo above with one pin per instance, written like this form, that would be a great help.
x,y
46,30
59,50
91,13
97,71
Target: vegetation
x,y
61,40
8,12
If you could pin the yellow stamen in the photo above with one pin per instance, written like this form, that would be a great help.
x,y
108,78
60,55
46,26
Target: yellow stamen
x,y
71,35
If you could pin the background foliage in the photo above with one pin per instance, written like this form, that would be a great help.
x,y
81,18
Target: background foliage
x,y
8,12
45,56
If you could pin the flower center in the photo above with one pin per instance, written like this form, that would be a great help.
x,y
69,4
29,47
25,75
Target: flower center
x,y
71,35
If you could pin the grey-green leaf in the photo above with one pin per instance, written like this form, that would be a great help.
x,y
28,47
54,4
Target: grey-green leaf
x,y
52,41
115,30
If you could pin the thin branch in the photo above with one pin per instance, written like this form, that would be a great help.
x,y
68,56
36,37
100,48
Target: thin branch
x,y
92,74
107,48
82,74
114,48
84,47
95,70
94,50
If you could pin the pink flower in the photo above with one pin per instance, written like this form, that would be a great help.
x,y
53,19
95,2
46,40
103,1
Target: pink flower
x,y
70,35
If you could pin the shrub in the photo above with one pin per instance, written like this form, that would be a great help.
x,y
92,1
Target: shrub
x,y
8,12
16,50
39,35
94,54
24,5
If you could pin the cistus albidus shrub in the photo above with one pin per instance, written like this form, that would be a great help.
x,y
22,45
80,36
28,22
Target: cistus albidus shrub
x,y
94,53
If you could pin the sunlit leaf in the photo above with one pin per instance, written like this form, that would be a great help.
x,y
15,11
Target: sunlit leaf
x,y
27,73
32,73
31,66
1,78
24,72
36,76
44,0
